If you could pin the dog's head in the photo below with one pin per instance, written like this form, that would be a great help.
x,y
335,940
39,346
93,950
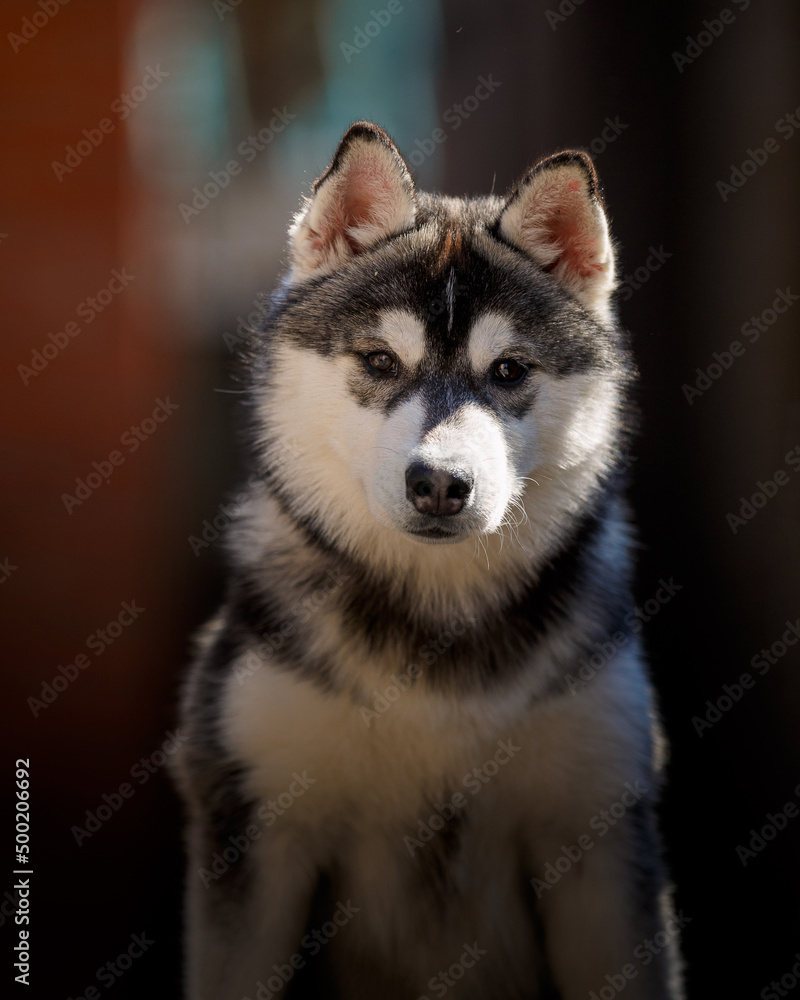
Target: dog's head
x,y
435,368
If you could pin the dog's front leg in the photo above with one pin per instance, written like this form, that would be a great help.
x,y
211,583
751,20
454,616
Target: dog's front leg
x,y
244,926
608,923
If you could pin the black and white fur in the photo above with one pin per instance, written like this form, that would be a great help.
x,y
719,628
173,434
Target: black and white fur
x,y
470,600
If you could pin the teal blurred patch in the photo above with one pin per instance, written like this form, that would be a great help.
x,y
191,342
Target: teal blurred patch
x,y
381,63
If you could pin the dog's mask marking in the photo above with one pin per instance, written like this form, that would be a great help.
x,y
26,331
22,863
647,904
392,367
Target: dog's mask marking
x,y
449,288
467,443
491,338
443,377
404,335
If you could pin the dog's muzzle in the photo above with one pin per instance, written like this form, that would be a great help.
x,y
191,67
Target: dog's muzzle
x,y
436,492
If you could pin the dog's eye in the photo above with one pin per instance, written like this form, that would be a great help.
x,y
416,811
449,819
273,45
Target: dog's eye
x,y
508,372
381,362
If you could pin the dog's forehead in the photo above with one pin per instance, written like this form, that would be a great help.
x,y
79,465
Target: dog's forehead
x,y
439,295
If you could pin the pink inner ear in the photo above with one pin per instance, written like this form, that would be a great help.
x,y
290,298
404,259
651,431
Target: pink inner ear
x,y
365,196
357,210
578,247
354,206
572,228
316,240
365,206
368,200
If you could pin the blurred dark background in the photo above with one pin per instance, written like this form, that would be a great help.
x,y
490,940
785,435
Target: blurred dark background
x,y
157,99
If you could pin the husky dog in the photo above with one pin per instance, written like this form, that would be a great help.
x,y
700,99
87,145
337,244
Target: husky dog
x,y
423,753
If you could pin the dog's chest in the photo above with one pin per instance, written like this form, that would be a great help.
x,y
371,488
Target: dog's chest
x,y
416,816
420,751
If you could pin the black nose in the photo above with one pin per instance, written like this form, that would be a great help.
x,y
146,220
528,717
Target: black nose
x,y
433,491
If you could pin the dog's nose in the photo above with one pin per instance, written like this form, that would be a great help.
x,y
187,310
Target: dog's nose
x,y
433,491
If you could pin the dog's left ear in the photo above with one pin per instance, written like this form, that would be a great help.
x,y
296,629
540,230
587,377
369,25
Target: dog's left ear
x,y
365,195
556,216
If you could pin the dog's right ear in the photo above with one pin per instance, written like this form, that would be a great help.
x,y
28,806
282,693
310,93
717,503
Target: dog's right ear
x,y
555,216
365,195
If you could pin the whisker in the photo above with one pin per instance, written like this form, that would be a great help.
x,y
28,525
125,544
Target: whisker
x,y
485,550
